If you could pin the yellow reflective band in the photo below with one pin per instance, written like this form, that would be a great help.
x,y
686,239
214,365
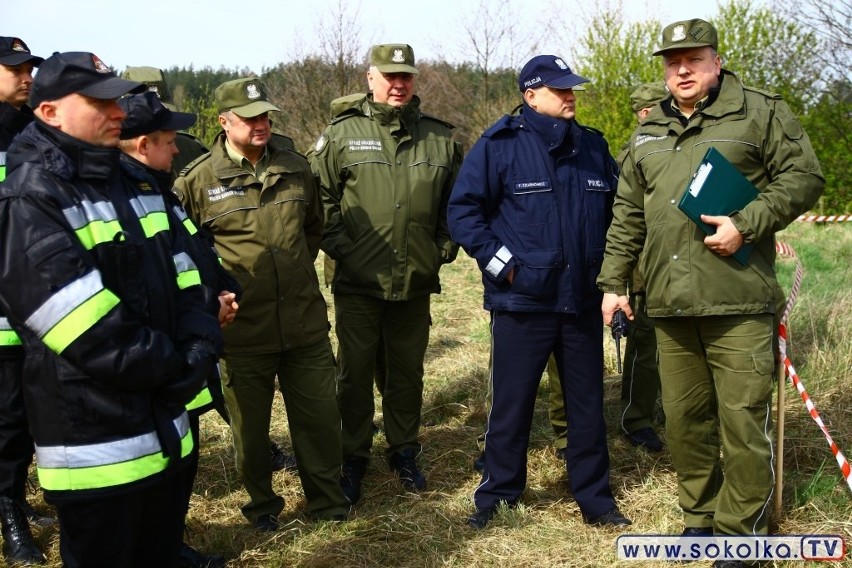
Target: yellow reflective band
x,y
201,399
9,338
188,278
98,232
190,226
154,223
111,475
79,320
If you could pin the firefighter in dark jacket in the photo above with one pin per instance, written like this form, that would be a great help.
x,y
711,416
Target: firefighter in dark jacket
x,y
16,445
96,279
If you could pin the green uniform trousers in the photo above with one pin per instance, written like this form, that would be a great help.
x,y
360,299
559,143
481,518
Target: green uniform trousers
x,y
640,379
717,380
361,324
306,379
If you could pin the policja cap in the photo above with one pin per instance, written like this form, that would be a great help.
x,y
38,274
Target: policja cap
x,y
78,72
244,97
155,80
13,51
548,71
647,95
688,34
146,114
393,58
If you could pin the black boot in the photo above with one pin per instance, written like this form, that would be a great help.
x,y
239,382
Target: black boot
x,y
18,543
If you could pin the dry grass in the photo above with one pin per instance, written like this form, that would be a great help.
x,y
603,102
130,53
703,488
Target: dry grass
x,y
392,528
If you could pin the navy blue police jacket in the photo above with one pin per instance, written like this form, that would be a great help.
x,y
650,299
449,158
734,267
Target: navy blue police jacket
x,y
535,194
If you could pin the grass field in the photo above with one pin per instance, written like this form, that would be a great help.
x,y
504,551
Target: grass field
x,y
392,528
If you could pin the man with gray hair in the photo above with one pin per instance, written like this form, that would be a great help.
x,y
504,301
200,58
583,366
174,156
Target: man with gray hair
x,y
386,171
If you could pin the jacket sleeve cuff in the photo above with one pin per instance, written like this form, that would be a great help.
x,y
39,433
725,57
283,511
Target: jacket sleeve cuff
x,y
742,226
500,264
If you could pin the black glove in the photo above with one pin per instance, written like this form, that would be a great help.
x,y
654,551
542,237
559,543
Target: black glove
x,y
200,359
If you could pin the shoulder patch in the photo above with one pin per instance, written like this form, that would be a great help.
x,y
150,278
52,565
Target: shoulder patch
x,y
320,143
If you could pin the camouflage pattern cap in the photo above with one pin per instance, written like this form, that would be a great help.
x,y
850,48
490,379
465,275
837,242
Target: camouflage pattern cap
x,y
393,58
647,95
155,80
688,34
245,97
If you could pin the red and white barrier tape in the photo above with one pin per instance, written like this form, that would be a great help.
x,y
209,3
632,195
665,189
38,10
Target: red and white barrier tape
x,y
786,250
824,218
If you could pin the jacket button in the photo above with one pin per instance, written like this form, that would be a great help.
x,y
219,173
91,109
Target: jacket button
x,y
674,257
396,205
673,201
678,311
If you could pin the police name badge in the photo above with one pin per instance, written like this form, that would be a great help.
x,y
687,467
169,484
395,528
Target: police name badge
x,y
252,92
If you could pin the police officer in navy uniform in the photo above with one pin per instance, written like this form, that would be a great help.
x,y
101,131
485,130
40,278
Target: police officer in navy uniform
x,y
16,445
532,204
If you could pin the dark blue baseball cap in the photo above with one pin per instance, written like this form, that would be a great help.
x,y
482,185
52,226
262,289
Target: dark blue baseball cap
x,y
146,113
13,51
548,71
78,72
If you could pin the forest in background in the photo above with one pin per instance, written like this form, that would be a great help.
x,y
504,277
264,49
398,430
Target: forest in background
x,y
799,49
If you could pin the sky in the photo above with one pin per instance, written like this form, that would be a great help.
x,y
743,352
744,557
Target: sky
x,y
213,33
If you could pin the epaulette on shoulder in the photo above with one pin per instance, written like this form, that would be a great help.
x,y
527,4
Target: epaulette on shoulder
x,y
767,94
347,113
507,122
193,164
590,129
436,119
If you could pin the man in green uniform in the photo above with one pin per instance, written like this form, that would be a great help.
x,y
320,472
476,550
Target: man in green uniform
x,y
262,206
386,170
189,149
713,316
640,379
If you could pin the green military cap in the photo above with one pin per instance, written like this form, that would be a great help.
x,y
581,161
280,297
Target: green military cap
x,y
393,58
688,34
647,95
155,80
244,97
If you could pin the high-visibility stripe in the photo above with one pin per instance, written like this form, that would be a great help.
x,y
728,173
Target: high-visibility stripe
x,y
8,336
187,223
72,311
187,272
203,398
93,223
151,210
92,466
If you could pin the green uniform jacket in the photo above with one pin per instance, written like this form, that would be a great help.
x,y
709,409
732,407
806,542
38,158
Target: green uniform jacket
x,y
386,176
268,236
755,131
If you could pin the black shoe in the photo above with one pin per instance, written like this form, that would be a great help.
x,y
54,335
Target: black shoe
x,y
404,463
646,438
34,517
481,517
351,475
729,564
612,519
560,453
479,463
281,459
697,531
191,558
18,543
267,523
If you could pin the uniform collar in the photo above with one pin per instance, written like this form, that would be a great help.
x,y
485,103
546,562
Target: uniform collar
x,y
402,118
553,131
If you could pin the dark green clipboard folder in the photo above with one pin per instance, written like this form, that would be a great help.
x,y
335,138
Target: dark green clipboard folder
x,y
717,188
